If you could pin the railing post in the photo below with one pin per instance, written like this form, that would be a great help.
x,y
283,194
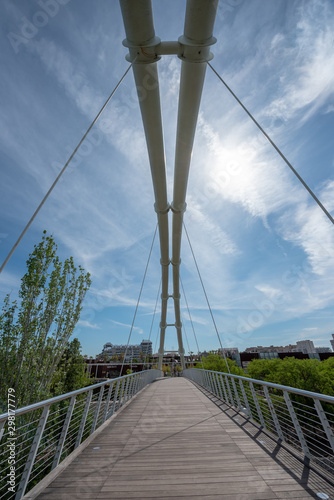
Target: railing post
x,y
83,419
324,421
244,395
63,433
133,387
130,388
120,398
125,396
219,385
214,377
138,378
257,404
273,413
105,413
296,424
2,428
138,383
97,409
210,382
232,403
32,455
236,393
206,379
112,411
224,388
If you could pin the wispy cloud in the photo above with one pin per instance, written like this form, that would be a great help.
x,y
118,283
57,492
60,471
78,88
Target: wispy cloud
x,y
125,325
87,324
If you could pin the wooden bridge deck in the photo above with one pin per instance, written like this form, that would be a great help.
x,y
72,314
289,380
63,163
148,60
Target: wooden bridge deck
x,y
173,442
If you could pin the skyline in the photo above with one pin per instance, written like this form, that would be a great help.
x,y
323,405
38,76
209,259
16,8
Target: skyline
x,y
264,248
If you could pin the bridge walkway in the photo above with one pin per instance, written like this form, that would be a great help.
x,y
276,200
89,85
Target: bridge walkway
x,y
173,442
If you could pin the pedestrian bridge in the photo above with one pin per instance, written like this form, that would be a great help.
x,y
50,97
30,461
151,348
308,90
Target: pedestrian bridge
x,y
144,436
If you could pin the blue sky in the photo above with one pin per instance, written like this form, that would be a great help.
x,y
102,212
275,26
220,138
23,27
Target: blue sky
x,y
264,248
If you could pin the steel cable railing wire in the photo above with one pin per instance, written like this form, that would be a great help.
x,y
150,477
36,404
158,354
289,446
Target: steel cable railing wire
x,y
300,425
85,417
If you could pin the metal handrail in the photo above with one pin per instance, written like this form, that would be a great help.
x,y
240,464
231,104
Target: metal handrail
x,y
302,392
56,399
46,432
294,415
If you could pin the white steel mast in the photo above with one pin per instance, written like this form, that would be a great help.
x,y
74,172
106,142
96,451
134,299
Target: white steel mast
x,y
145,50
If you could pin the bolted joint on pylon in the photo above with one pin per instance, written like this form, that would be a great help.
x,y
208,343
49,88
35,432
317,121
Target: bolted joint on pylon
x,y
178,210
196,51
164,263
162,211
142,52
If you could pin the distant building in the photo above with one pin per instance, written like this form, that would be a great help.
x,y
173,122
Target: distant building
x,y
228,351
131,352
322,349
332,341
306,346
272,349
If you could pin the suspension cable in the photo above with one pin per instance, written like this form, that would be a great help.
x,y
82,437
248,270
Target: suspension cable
x,y
63,170
276,147
141,289
155,310
191,321
156,340
185,332
207,300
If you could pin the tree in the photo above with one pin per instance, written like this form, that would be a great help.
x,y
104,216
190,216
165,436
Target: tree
x,y
34,334
306,374
215,362
71,372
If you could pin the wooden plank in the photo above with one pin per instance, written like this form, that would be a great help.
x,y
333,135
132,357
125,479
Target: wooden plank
x,y
173,442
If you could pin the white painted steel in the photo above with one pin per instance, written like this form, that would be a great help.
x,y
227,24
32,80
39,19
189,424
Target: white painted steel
x,y
45,431
328,429
64,433
197,38
273,413
193,48
304,423
32,454
139,29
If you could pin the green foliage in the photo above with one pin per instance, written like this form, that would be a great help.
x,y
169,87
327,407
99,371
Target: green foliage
x,y
35,333
215,362
71,373
307,374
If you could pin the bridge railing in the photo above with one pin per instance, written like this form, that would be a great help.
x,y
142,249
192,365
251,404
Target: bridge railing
x,y
302,419
36,438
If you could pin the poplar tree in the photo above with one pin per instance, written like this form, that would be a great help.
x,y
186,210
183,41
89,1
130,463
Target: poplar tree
x,y
34,331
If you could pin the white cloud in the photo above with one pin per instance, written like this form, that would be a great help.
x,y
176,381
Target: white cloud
x,y
306,84
87,324
309,228
125,325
